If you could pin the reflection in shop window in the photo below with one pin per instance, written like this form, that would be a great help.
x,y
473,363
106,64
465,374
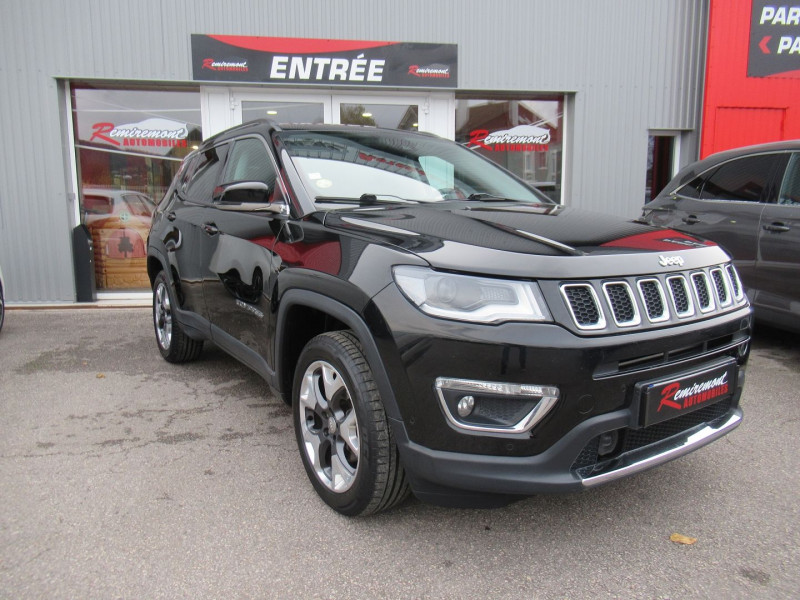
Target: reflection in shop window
x,y
525,136
391,116
129,145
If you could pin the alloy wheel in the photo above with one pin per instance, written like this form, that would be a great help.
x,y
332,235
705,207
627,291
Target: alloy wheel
x,y
329,426
162,314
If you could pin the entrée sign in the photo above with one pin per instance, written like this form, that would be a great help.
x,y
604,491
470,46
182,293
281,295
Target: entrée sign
x,y
329,62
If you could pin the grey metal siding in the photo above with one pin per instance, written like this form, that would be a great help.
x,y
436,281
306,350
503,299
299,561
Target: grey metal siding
x,y
632,65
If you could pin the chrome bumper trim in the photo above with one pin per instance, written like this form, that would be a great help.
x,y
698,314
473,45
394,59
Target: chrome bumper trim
x,y
671,449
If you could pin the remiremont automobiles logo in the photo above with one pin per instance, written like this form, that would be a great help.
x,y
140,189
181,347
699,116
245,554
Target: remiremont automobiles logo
x,y
673,396
439,71
225,65
522,138
150,132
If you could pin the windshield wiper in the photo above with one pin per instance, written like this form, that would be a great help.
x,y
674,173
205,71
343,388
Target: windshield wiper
x,y
365,199
489,197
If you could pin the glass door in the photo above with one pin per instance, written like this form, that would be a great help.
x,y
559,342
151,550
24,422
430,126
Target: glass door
x,y
393,110
281,107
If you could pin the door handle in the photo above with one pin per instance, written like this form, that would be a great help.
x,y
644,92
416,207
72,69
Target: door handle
x,y
777,227
171,216
690,220
210,228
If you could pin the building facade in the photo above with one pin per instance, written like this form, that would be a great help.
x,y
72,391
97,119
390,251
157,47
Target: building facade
x,y
752,86
595,103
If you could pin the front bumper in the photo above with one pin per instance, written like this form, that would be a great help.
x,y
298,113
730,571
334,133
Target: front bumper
x,y
597,379
442,477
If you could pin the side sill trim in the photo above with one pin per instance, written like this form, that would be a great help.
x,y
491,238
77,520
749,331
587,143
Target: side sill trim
x,y
633,463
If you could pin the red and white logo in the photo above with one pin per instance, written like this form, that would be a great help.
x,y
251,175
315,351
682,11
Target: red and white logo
x,y
162,134
437,71
213,64
677,398
522,138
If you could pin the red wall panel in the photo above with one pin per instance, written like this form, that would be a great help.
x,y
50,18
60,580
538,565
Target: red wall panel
x,y
739,110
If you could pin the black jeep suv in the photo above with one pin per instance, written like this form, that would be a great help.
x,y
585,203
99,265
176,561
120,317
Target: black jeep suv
x,y
438,325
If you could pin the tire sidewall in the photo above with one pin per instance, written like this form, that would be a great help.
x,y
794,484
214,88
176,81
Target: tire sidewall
x,y
354,500
161,279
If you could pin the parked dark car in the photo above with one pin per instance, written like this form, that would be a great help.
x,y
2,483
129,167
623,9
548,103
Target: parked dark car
x,y
748,201
437,324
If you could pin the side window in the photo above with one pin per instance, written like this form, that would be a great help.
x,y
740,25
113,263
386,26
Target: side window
x,y
742,180
206,172
249,161
694,187
790,189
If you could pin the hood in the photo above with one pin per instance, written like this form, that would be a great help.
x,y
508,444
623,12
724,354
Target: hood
x,y
505,238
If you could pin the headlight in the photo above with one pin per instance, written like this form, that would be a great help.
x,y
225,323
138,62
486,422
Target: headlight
x,y
467,298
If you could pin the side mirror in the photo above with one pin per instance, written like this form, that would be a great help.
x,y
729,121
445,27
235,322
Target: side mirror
x,y
245,192
250,196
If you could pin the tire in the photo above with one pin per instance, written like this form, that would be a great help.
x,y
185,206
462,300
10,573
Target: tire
x,y
173,343
344,438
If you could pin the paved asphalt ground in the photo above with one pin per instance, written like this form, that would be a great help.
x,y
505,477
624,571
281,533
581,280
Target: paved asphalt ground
x,y
122,476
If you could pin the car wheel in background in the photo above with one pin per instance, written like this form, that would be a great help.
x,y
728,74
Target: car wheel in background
x,y
173,343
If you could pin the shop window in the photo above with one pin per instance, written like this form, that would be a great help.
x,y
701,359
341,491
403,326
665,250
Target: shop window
x,y
129,145
524,135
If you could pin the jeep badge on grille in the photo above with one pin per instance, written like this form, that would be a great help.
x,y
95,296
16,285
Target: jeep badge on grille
x,y
670,261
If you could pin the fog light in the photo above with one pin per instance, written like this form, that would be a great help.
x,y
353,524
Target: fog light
x,y
494,407
607,443
465,406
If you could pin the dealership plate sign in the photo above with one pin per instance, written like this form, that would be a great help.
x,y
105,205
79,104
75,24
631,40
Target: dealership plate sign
x,y
669,398
301,61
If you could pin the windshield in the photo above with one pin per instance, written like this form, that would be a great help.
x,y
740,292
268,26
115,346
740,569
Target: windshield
x,y
373,165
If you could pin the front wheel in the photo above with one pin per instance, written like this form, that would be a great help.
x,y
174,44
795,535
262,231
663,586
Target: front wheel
x,y
342,432
173,343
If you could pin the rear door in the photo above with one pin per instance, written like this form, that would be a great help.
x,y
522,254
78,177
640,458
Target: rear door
x,y
187,240
778,264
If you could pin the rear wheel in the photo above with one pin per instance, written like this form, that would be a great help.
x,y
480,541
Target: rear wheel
x,y
173,343
342,432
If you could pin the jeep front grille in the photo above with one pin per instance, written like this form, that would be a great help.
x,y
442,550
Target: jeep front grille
x,y
584,305
623,307
721,287
736,283
600,305
652,294
703,291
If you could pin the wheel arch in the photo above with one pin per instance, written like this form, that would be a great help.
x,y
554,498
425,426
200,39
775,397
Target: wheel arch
x,y
302,315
